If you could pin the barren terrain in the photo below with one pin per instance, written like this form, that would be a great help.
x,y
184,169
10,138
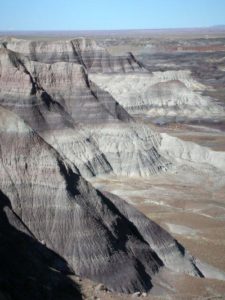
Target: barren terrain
x,y
89,122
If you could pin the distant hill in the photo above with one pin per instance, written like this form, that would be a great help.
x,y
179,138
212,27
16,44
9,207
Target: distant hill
x,y
218,26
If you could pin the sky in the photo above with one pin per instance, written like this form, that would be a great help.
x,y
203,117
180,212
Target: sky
x,y
109,14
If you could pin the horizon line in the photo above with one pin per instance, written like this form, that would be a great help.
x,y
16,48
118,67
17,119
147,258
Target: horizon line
x,y
122,29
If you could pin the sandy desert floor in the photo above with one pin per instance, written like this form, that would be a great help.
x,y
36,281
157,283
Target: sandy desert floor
x,y
186,288
188,203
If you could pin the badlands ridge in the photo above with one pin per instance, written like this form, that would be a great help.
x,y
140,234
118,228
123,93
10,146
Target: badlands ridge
x,y
68,114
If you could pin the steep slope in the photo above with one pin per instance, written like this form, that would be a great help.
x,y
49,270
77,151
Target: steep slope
x,y
131,149
168,94
160,240
120,149
20,92
52,98
189,153
82,225
82,51
28,269
44,153
80,148
55,97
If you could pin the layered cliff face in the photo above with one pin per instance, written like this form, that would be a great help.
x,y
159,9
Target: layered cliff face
x,y
57,127
119,149
93,233
53,98
132,149
29,270
82,51
161,94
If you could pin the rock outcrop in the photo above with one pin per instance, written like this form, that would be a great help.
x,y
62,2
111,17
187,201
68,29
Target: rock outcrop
x,y
120,149
82,51
53,98
57,127
94,234
189,153
171,94
131,149
29,270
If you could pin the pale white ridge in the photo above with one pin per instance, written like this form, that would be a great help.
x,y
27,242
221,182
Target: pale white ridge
x,y
170,93
188,152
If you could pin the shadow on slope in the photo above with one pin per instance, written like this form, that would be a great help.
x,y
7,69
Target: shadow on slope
x,y
29,270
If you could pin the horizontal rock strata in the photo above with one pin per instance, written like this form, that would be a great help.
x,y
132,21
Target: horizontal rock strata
x,y
173,94
82,225
82,51
53,98
57,127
